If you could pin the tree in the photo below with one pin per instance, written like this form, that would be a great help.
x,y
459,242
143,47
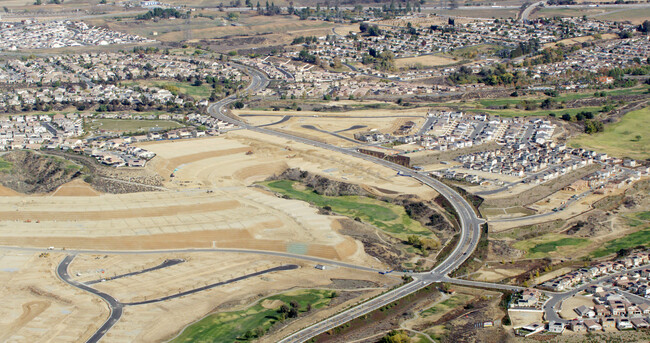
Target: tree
x,y
395,336
645,27
566,117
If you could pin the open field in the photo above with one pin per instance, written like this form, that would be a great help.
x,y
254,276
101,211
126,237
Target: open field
x,y
390,218
566,12
232,326
196,92
198,28
5,166
311,124
446,305
424,60
38,307
479,13
119,125
632,240
544,245
475,50
578,40
627,138
635,15
231,214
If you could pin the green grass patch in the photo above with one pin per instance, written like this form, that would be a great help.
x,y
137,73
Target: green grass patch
x,y
121,125
387,217
552,246
644,215
5,166
232,326
629,241
446,305
539,247
627,138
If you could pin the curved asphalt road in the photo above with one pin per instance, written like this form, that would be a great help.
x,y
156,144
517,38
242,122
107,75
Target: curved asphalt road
x,y
469,221
114,306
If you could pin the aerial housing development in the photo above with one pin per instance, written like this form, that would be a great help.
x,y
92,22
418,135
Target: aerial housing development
x,y
384,171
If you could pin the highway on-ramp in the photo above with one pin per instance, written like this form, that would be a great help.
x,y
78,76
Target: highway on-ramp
x,y
470,223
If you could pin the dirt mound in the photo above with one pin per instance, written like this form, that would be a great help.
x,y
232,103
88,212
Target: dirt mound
x,y
321,184
596,224
76,187
501,249
36,173
375,243
271,304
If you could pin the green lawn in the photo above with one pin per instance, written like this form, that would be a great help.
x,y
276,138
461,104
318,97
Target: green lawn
x,y
5,166
388,217
539,247
552,246
120,125
629,241
232,326
627,138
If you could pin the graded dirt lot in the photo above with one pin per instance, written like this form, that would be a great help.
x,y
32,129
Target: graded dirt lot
x,y
424,60
160,321
568,305
211,203
311,124
38,307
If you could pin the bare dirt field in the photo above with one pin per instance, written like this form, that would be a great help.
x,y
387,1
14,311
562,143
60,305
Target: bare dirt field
x,y
160,321
568,305
211,203
496,274
425,60
308,123
75,187
522,318
38,307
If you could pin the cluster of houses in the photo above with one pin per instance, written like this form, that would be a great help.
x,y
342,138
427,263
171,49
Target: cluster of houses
x,y
18,99
569,280
522,159
612,307
609,54
63,132
112,67
31,131
30,34
446,130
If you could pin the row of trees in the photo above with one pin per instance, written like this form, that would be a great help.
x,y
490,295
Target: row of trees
x,y
163,13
